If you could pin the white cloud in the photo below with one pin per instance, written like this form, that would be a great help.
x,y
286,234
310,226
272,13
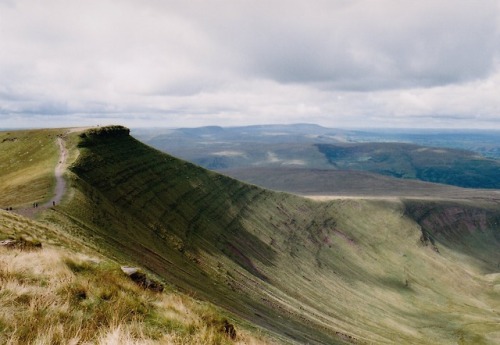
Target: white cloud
x,y
229,153
179,63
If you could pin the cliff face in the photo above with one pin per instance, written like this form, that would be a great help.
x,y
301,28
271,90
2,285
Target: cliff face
x,y
92,136
468,227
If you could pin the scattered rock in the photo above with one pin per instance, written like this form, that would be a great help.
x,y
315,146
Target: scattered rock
x,y
129,270
8,243
21,244
229,329
9,139
346,337
427,241
141,279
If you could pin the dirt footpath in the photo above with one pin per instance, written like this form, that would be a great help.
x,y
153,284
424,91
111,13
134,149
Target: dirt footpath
x,y
60,188
58,172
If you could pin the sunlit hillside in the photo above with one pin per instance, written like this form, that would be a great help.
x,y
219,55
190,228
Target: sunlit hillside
x,y
27,161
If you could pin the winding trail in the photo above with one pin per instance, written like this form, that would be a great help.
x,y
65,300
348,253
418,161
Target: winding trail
x,y
60,187
58,172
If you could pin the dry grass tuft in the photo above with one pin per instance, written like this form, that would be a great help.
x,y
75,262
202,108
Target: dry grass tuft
x,y
57,296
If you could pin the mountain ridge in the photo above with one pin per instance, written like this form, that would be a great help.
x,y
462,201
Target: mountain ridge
x,y
344,271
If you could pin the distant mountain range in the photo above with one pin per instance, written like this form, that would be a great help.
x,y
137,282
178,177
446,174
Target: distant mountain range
x,y
459,158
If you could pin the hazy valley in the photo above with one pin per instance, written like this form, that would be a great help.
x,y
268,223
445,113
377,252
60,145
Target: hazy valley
x,y
310,159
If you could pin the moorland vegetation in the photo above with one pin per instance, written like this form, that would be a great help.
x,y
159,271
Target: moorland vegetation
x,y
280,267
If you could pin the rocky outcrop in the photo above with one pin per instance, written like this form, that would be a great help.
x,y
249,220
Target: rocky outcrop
x,y
141,279
229,329
93,135
20,243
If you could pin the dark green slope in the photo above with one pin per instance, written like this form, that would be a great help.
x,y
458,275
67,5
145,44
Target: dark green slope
x,y
348,271
182,222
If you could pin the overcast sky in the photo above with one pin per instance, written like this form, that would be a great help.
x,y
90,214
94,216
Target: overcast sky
x,y
338,63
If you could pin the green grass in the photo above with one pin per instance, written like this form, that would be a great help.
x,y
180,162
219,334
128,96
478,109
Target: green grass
x,y
306,271
27,162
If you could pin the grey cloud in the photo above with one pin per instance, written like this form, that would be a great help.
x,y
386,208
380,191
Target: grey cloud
x,y
361,44
336,62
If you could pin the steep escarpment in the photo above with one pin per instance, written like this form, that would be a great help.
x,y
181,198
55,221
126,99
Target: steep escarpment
x,y
467,227
186,224
346,271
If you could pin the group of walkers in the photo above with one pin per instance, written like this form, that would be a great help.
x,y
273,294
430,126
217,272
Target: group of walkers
x,y
35,205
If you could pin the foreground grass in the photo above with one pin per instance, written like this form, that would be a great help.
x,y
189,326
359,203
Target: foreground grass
x,y
52,295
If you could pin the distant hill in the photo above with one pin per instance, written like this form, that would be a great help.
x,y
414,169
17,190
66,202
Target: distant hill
x,y
449,166
285,148
296,270
483,142
347,183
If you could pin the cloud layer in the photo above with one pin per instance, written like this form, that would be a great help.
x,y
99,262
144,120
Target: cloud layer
x,y
376,63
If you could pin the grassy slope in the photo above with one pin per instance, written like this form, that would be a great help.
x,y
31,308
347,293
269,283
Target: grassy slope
x,y
27,161
152,208
71,291
309,271
65,293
